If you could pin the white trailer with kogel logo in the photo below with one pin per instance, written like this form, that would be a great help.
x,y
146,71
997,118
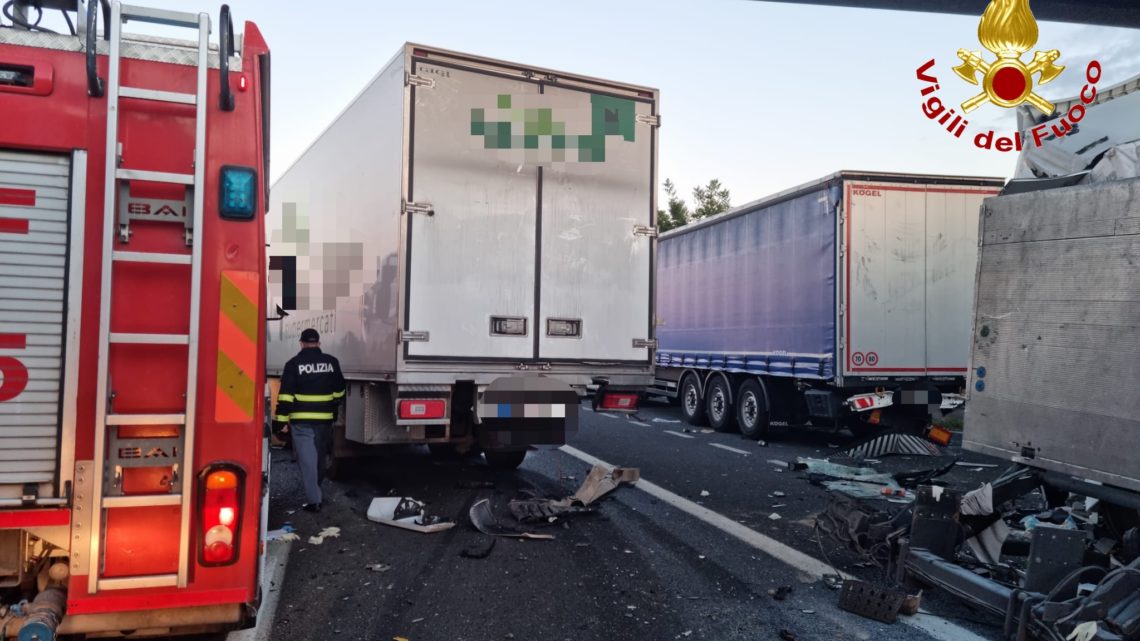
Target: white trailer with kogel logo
x,y
474,240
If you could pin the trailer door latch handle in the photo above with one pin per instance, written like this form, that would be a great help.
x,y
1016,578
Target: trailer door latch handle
x,y
650,343
408,337
417,208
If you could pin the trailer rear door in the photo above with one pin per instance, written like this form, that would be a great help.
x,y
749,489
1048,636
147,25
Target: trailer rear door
x,y
33,268
909,256
535,190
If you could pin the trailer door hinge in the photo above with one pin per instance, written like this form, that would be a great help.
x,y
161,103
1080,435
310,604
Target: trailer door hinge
x,y
409,337
643,230
651,343
417,208
652,121
418,81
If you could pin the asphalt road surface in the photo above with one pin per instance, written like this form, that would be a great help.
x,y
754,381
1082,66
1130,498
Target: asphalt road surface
x,y
691,552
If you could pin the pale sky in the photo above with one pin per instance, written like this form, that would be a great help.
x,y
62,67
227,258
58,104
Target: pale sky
x,y
763,96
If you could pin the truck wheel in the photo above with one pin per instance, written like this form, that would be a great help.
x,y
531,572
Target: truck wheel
x,y
718,407
505,460
752,410
692,405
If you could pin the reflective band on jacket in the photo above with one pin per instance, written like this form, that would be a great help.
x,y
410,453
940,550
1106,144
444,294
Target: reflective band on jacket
x,y
285,398
281,418
315,398
312,416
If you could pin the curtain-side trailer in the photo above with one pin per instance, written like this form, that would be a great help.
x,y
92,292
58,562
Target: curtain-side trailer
x,y
844,302
474,240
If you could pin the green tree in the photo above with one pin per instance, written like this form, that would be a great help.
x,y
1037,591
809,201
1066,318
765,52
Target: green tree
x,y
677,213
710,200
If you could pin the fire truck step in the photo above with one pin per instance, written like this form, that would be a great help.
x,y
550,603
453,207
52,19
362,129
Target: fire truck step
x,y
146,419
160,96
160,16
155,176
152,257
139,582
142,500
150,339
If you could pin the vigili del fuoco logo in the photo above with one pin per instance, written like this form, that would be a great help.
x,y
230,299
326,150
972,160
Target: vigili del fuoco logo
x,y
1009,31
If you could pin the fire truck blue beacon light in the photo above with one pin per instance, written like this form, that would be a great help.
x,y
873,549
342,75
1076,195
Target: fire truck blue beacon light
x,y
238,197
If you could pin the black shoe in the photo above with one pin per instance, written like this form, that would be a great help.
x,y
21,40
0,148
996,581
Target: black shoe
x,y
311,507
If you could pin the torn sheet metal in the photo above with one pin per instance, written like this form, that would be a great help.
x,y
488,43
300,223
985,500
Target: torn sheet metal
x,y
601,481
979,502
406,513
887,444
986,546
485,522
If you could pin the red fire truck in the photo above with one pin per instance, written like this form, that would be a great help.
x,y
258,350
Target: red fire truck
x,y
133,465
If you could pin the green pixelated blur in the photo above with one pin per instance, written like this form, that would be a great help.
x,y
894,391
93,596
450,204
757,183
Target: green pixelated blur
x,y
537,128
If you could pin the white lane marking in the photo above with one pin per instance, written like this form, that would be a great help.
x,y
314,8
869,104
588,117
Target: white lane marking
x,y
678,434
731,449
272,585
938,628
665,420
639,423
607,415
587,408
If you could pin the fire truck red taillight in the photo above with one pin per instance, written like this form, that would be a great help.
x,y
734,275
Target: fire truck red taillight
x,y
220,513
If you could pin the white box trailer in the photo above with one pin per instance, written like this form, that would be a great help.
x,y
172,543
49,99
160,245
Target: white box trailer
x,y
474,240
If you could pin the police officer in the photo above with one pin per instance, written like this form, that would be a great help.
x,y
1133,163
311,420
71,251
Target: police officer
x,y
312,387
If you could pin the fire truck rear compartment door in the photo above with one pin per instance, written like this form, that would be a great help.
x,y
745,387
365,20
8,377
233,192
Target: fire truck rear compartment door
x,y
33,266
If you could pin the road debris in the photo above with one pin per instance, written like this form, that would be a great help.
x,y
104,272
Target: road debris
x,y
977,465
778,493
327,533
599,482
484,521
774,517
787,635
780,593
870,601
378,567
286,533
889,444
704,492
406,513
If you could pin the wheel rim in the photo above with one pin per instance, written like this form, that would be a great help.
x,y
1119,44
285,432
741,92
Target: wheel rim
x,y
716,408
749,409
691,399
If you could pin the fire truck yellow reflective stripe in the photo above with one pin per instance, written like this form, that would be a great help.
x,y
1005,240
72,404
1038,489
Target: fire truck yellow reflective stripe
x,y
313,398
238,329
311,416
285,398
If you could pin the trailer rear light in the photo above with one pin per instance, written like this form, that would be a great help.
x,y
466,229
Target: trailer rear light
x,y
508,326
564,327
220,491
238,198
939,435
427,408
619,401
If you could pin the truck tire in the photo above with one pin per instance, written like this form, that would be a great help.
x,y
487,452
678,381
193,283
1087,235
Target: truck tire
x,y
505,460
692,405
752,416
718,405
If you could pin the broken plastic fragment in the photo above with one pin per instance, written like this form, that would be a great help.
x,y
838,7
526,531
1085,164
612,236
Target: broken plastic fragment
x,y
774,517
704,492
1083,632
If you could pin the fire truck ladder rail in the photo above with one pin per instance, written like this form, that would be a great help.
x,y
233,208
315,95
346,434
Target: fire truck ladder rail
x,y
116,453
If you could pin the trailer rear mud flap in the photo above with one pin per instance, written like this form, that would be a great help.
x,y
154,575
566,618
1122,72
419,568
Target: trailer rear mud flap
x,y
519,411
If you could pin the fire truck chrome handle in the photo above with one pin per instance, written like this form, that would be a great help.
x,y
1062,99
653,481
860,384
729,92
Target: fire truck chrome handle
x,y
225,50
95,86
